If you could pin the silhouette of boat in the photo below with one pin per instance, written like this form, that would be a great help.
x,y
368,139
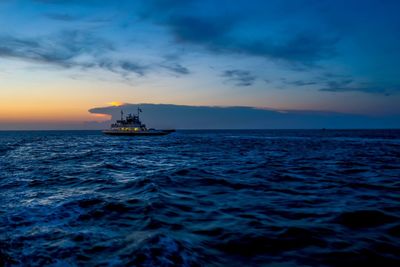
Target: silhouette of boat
x,y
132,126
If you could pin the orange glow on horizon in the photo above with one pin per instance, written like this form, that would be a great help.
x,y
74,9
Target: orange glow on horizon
x,y
116,103
20,112
55,118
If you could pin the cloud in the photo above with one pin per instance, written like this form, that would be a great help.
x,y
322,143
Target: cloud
x,y
172,63
60,50
304,48
62,17
239,77
199,30
299,83
176,68
66,49
294,33
209,117
340,83
133,67
123,67
358,88
350,85
218,33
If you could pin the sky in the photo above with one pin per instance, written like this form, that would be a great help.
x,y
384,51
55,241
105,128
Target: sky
x,y
61,58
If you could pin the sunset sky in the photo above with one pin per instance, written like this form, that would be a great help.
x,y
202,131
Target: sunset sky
x,y
60,58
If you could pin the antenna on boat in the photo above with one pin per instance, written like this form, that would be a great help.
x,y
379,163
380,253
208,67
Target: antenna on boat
x,y
138,111
122,114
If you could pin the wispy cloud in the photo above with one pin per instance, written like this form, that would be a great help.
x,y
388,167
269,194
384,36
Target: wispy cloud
x,y
359,88
347,84
60,49
66,49
298,83
123,67
239,77
133,67
176,68
341,84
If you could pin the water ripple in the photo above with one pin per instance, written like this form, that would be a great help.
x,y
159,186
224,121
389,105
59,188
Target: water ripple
x,y
200,198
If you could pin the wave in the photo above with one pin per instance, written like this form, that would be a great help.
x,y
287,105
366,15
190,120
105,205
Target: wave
x,y
230,198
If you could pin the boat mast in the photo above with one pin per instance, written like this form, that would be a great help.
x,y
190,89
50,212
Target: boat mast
x,y
122,114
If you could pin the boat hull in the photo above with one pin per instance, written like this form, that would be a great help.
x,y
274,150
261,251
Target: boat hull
x,y
139,133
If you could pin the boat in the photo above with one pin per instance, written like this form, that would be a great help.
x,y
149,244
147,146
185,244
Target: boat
x,y
132,126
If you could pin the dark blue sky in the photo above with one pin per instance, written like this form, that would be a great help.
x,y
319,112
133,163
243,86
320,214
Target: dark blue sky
x,y
306,54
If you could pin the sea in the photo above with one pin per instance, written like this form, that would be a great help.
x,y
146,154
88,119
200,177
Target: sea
x,y
200,198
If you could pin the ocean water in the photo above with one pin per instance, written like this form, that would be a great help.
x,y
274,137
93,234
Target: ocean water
x,y
200,198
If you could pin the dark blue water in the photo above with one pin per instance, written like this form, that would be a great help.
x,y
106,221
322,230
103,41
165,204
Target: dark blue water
x,y
200,198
